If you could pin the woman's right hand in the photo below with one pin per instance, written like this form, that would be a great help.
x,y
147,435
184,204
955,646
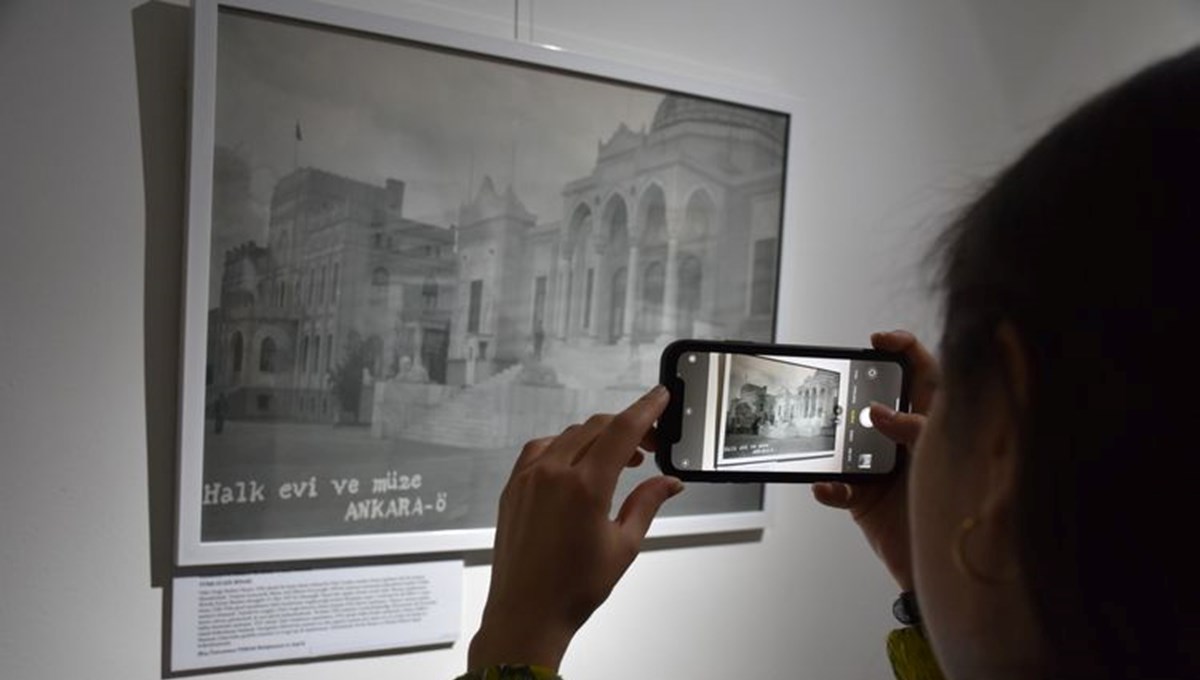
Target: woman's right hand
x,y
881,508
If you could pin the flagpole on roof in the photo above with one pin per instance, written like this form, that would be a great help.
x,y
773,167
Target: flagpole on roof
x,y
299,137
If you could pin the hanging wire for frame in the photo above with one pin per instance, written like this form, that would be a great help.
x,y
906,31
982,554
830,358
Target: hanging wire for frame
x,y
517,21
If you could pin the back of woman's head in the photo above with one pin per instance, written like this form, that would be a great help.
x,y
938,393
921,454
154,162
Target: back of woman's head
x,y
1087,247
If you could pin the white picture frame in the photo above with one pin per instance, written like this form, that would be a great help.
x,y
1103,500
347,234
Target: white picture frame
x,y
268,286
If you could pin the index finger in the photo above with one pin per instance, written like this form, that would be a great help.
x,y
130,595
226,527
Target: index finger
x,y
926,373
612,450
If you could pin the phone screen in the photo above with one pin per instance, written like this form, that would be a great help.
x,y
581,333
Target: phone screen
x,y
783,413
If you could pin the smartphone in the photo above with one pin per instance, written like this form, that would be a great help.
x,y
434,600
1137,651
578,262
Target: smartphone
x,y
752,412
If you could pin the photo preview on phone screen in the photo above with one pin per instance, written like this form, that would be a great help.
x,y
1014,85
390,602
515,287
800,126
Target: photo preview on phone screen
x,y
777,413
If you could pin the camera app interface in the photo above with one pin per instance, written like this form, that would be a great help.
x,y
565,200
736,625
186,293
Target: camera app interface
x,y
761,413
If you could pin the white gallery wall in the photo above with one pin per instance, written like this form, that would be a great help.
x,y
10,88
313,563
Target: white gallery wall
x,y
905,107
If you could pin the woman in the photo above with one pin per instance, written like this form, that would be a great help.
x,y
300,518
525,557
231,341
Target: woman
x,y
1045,516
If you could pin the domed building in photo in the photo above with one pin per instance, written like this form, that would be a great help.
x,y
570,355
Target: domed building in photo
x,y
673,233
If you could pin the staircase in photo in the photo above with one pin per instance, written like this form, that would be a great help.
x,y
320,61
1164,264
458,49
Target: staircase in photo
x,y
502,411
468,416
602,366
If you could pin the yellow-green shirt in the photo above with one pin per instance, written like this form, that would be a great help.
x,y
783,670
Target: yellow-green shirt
x,y
907,649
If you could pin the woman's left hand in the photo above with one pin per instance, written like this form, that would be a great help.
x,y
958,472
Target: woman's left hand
x,y
558,554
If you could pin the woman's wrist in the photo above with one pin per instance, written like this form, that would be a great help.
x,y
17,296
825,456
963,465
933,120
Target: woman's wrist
x,y
517,642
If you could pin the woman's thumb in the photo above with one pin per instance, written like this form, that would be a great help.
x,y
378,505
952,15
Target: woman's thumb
x,y
643,503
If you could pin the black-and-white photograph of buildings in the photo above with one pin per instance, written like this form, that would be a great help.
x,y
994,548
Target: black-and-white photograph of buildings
x,y
421,259
776,407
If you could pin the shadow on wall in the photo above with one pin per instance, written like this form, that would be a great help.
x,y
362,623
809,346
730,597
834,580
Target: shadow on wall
x,y
160,37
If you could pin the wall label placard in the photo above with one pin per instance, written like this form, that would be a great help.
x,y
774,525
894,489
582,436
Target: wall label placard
x,y
247,619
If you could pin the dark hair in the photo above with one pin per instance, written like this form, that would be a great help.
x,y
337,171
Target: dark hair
x,y
1087,247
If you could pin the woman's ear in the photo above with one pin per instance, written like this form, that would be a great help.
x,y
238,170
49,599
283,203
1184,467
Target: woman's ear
x,y
1014,366
1002,431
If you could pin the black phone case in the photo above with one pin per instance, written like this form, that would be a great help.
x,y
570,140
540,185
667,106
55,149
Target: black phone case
x,y
669,423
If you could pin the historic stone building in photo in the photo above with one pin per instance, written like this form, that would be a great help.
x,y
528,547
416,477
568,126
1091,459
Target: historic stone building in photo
x,y
341,265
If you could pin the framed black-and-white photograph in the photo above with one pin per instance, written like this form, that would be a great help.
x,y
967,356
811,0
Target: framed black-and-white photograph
x,y
412,249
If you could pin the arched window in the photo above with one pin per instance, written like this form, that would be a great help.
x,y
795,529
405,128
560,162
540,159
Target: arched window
x,y
589,287
762,276
379,285
650,314
475,306
266,355
688,296
373,354
237,349
698,215
616,314
653,213
429,293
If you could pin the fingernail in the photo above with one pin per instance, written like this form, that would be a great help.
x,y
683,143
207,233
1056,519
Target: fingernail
x,y
881,413
675,488
655,392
